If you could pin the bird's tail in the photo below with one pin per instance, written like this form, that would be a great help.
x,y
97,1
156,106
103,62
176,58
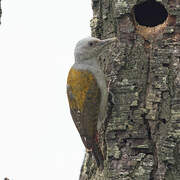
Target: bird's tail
x,y
98,155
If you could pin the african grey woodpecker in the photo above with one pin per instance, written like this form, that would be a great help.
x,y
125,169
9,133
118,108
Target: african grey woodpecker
x,y
87,93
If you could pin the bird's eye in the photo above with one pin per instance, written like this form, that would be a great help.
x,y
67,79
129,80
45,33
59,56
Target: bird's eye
x,y
90,43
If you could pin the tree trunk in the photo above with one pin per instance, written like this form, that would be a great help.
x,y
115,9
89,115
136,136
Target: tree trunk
x,y
141,136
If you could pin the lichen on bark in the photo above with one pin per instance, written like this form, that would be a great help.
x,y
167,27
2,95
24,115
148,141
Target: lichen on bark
x,y
141,135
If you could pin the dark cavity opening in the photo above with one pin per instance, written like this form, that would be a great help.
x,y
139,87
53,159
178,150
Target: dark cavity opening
x,y
150,13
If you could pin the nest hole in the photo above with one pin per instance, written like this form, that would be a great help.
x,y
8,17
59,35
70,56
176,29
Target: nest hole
x,y
150,13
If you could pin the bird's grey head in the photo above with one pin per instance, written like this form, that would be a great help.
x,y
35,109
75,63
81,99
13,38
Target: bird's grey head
x,y
89,48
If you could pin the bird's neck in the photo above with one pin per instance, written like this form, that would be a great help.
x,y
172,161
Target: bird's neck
x,y
90,62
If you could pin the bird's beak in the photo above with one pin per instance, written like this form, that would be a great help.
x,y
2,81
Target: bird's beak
x,y
105,42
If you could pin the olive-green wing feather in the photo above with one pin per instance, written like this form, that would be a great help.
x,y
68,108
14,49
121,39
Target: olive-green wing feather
x,y
84,97
90,112
84,101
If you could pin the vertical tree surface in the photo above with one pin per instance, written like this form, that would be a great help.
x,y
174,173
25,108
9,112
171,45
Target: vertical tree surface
x,y
141,136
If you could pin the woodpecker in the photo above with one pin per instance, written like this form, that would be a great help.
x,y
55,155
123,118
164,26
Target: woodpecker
x,y
87,93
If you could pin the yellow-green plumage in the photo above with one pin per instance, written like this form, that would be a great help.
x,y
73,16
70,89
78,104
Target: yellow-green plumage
x,y
84,100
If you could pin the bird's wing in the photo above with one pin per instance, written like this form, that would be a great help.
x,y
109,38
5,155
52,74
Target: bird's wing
x,y
91,111
84,101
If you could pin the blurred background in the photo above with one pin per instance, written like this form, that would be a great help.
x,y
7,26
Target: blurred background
x,y
38,140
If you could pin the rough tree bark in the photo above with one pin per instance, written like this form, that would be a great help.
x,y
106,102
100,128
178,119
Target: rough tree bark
x,y
141,136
